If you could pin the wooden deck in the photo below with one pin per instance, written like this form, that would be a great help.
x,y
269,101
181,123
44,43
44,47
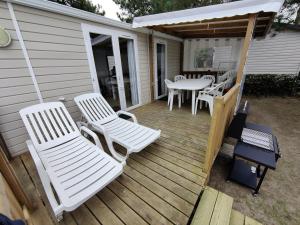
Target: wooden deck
x,y
160,185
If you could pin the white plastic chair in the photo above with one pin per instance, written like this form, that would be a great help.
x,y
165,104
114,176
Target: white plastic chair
x,y
103,119
209,77
208,95
172,93
229,77
179,77
75,167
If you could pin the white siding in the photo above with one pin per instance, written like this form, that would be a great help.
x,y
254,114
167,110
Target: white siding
x,y
17,90
275,55
57,53
173,58
143,55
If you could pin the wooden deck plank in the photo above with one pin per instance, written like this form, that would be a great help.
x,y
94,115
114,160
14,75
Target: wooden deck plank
x,y
83,216
206,207
179,170
102,212
236,218
177,155
163,181
181,151
138,205
222,210
123,211
165,209
192,186
176,161
160,191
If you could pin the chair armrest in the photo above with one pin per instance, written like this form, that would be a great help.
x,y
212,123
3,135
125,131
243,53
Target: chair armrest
x,y
128,114
93,135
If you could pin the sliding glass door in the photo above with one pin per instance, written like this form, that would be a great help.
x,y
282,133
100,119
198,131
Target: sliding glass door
x,y
160,60
113,63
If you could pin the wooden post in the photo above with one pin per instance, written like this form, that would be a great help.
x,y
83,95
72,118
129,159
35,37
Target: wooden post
x,y
151,65
12,180
244,52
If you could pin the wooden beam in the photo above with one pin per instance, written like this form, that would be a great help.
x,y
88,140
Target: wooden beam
x,y
244,28
151,65
244,52
12,180
210,23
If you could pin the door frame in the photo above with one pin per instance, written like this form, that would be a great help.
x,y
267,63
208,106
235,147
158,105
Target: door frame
x,y
115,35
155,42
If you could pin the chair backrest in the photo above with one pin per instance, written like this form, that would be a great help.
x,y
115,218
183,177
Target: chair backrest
x,y
95,108
49,125
179,77
209,77
229,77
167,82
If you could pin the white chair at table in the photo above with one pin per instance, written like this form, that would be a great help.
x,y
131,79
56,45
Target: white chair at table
x,y
229,77
177,78
209,77
220,88
208,95
171,93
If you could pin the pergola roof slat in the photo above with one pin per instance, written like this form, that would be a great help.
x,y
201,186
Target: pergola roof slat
x,y
230,19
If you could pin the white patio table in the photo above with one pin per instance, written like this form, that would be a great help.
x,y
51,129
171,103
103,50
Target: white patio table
x,y
191,85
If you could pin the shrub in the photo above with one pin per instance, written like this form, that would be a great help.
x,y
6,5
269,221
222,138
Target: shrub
x,y
271,85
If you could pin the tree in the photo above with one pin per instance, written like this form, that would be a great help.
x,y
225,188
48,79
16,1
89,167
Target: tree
x,y
85,5
289,13
133,8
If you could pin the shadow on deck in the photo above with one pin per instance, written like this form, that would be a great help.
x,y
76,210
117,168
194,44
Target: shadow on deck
x,y
160,185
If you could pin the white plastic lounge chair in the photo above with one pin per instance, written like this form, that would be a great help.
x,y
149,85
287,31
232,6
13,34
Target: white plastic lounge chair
x,y
75,167
102,118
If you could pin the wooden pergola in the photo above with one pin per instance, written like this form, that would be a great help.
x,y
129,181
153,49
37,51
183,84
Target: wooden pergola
x,y
248,19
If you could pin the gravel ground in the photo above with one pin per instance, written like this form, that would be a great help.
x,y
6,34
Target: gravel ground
x,y
279,198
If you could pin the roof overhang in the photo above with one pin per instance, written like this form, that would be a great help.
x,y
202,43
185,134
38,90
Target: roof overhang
x,y
222,20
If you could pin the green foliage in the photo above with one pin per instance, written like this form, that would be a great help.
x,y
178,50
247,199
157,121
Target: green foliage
x,y
133,8
289,14
85,5
271,85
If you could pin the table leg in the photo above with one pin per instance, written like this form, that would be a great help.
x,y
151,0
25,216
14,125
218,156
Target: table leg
x,y
193,101
260,181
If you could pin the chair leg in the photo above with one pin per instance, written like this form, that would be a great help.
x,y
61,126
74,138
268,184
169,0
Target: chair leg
x,y
200,104
182,96
211,105
171,100
196,106
179,100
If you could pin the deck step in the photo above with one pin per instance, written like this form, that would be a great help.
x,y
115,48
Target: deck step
x,y
238,218
214,208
